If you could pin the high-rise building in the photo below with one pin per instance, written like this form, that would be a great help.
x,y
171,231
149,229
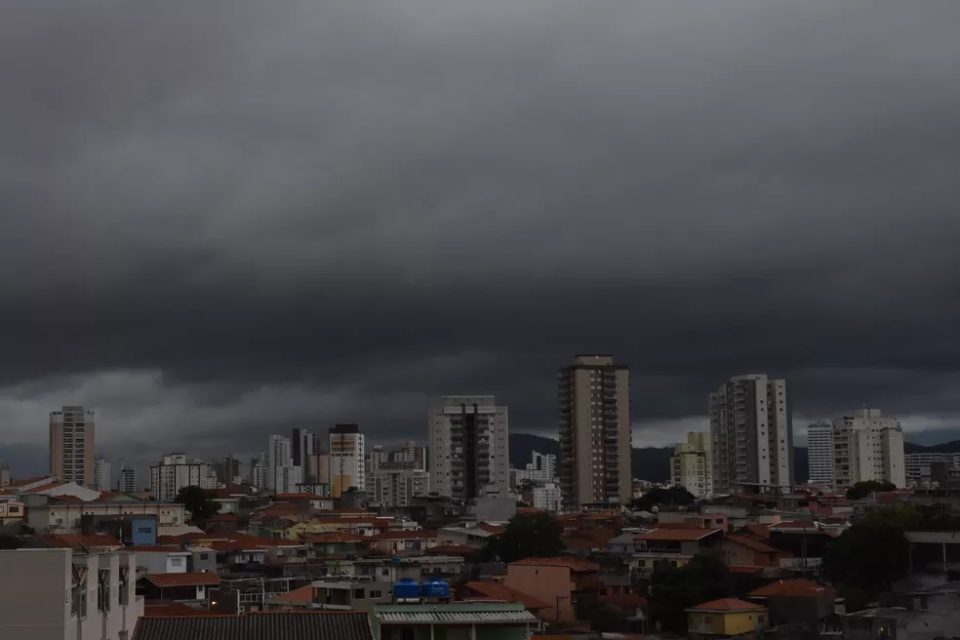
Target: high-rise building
x,y
73,444
541,468
595,433
751,427
258,471
867,446
820,453
101,475
347,459
691,465
128,479
548,497
175,471
304,449
394,477
282,475
469,449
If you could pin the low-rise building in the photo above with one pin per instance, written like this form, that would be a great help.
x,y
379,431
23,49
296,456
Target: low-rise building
x,y
259,626
726,618
797,602
503,621
179,587
670,547
58,594
559,582
60,515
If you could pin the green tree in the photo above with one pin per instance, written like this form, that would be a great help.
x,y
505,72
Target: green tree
x,y
10,542
673,589
870,556
534,535
863,489
671,497
198,502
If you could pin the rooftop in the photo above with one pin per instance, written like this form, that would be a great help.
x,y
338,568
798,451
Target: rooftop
x,y
499,591
164,580
678,535
727,604
574,564
456,613
798,588
262,626
751,543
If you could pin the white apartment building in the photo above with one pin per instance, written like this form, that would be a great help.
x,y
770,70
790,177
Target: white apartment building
x,y
541,468
919,466
868,446
347,458
548,497
820,453
73,444
175,471
101,475
62,595
751,429
128,479
691,465
390,487
469,452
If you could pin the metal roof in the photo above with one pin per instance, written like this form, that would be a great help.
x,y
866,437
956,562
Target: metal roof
x,y
458,613
262,626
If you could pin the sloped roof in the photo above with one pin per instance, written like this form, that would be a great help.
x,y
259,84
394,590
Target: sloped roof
x,y
727,604
76,540
751,543
399,534
164,580
262,626
301,596
574,564
456,613
500,591
677,535
796,588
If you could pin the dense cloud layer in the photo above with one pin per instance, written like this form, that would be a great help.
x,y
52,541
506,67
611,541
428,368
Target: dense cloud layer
x,y
226,219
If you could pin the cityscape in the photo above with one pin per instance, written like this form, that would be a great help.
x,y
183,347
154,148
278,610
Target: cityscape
x,y
479,320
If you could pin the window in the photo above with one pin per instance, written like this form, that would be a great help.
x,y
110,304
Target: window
x,y
376,594
144,530
358,594
204,556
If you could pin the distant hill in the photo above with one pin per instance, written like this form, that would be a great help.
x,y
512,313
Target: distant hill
x,y
944,447
522,444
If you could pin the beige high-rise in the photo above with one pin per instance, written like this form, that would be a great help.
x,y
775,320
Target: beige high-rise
x,y
595,435
73,445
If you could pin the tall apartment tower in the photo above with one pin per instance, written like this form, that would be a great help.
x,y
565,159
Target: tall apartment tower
x,y
282,476
303,453
469,449
867,446
128,479
752,431
691,465
73,445
101,475
595,435
347,456
820,453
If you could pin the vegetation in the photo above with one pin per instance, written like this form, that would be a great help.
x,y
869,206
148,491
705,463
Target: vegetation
x,y
10,542
199,503
672,497
673,589
527,536
863,489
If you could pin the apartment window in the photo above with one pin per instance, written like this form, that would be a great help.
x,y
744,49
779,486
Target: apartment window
x,y
376,594
358,594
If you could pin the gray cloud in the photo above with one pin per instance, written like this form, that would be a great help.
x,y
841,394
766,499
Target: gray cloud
x,y
230,219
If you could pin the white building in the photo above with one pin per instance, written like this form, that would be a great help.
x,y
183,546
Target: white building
x,y
919,466
394,487
175,471
469,450
61,595
73,444
548,497
101,475
303,454
868,446
347,459
691,465
541,468
128,479
820,453
279,456
751,429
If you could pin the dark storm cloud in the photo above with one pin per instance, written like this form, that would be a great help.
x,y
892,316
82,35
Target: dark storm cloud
x,y
227,219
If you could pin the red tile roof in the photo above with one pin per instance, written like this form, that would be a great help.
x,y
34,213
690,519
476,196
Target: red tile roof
x,y
453,550
491,528
301,596
797,588
397,534
499,591
76,540
759,530
164,580
332,538
728,604
574,564
751,543
677,535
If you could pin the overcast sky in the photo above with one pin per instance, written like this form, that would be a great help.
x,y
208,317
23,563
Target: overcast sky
x,y
228,218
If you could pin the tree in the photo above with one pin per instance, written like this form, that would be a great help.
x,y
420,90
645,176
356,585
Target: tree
x,y
869,555
534,535
863,489
10,542
673,589
198,502
673,497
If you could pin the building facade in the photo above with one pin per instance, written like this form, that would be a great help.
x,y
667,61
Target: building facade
x,y
347,459
101,475
595,433
541,468
394,477
548,497
867,446
920,467
64,595
820,453
73,445
469,450
175,471
691,465
128,479
751,429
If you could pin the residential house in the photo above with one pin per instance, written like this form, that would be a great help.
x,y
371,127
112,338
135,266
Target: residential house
x,y
470,534
797,602
258,626
746,551
726,618
473,590
161,560
559,582
493,620
671,547
11,509
398,542
180,587
342,545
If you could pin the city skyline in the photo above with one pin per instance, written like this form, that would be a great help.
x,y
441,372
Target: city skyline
x,y
248,240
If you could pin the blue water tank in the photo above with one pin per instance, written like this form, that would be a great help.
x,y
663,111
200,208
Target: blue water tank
x,y
406,589
435,589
